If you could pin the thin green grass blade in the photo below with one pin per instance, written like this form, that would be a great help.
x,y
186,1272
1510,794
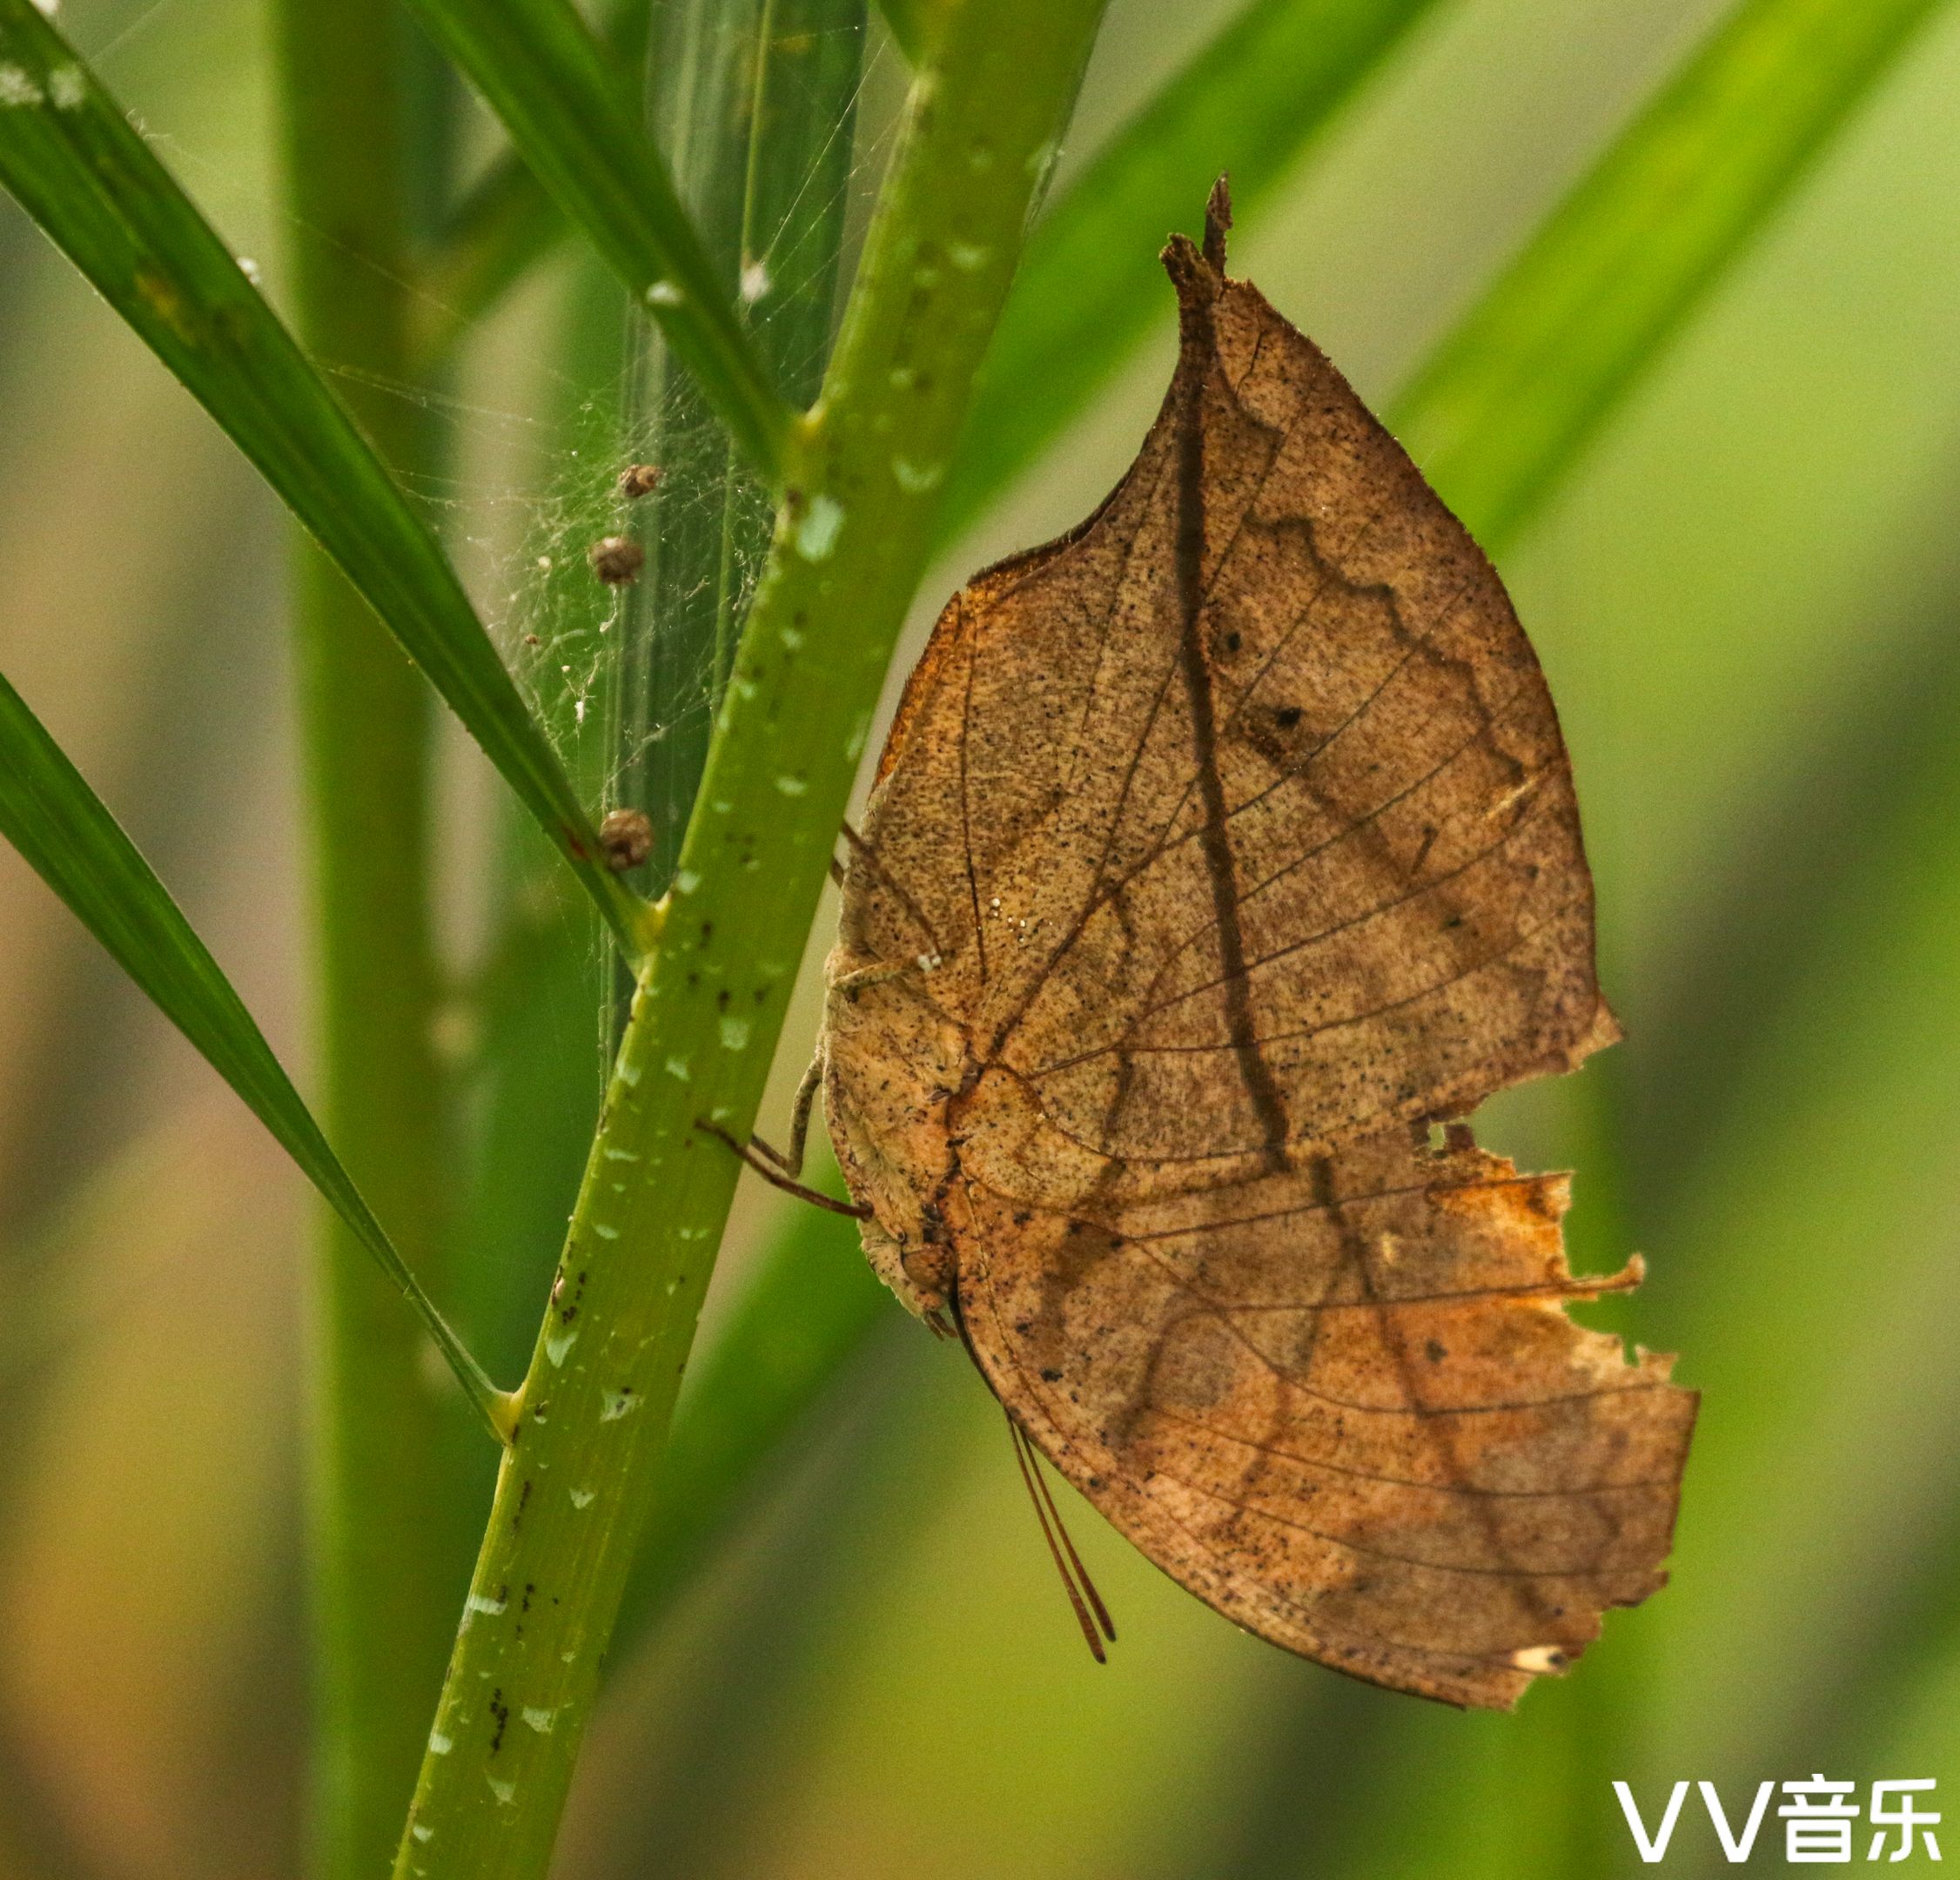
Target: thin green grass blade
x,y
506,221
1518,388
69,838
1250,103
548,78
82,171
1480,472
1848,887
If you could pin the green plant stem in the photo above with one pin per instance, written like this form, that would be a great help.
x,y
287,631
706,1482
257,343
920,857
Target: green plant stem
x,y
388,1535
980,130
814,1303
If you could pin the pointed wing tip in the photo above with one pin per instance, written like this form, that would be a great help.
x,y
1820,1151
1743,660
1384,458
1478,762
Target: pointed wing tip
x,y
1217,221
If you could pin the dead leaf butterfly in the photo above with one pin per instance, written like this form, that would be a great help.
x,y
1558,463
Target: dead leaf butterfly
x,y
1218,850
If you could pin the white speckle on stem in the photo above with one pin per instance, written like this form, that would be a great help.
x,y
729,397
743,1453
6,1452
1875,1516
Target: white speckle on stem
x,y
792,786
558,1345
505,1792
476,1602
816,533
623,1155
664,293
628,1073
423,1832
685,882
735,1034
792,637
440,1744
583,1498
755,282
967,256
677,1069
67,89
619,1403
916,478
540,1720
249,268
17,87
903,378
604,1232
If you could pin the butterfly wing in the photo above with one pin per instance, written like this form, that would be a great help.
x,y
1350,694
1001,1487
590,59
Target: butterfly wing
x,y
1226,840
1344,1405
1295,856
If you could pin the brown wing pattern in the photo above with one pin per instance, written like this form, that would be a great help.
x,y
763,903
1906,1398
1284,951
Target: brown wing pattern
x,y
1410,916
1216,846
1344,1405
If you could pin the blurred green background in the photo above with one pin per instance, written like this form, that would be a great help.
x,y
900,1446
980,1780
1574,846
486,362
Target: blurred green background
x,y
1748,599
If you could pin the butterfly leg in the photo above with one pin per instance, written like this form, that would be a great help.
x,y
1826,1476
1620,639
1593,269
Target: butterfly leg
x,y
775,1176
790,1161
780,1170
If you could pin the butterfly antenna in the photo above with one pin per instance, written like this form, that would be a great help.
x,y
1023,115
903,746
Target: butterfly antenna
x,y
1030,1478
1075,1560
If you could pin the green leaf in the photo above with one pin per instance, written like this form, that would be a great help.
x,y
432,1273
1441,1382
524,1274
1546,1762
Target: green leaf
x,y
79,168
1250,103
50,814
503,226
546,77
1517,389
